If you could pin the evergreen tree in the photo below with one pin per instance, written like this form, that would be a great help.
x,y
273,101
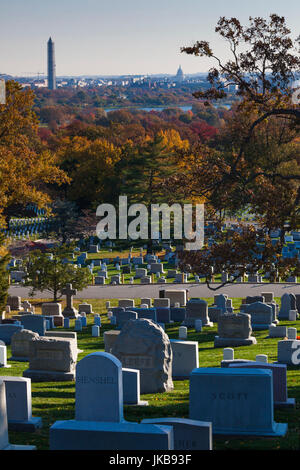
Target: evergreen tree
x,y
52,274
146,167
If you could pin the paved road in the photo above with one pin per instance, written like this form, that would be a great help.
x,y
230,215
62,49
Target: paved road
x,y
137,291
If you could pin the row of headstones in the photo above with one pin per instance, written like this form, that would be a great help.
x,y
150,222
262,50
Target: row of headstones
x,y
99,378
233,329
236,329
138,361
254,278
99,374
185,353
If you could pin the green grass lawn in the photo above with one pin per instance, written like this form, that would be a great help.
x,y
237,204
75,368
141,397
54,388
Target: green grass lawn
x,y
56,400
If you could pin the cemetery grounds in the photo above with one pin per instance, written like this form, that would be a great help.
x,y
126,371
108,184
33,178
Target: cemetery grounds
x,y
54,401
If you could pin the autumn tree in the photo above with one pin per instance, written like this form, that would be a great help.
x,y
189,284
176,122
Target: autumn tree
x,y
26,167
263,75
253,162
239,251
90,165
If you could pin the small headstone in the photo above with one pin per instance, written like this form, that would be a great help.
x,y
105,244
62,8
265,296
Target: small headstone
x,y
165,302
177,314
163,314
288,352
261,358
188,434
149,313
279,381
261,315
4,442
126,303
146,301
18,403
85,308
251,299
268,297
51,360
185,358
123,317
14,302
95,331
198,325
7,331
182,332
214,314
234,330
292,333
20,345
140,272
277,331
293,315
36,323
131,387
110,338
228,354
99,280
51,308
197,309
285,307
176,296
3,357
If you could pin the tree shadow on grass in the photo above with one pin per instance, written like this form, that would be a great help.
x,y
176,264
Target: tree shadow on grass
x,y
53,394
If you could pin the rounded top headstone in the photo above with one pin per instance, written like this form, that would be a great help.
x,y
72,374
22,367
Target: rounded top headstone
x,y
99,388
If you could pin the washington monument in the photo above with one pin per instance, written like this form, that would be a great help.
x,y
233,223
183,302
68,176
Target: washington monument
x,y
51,66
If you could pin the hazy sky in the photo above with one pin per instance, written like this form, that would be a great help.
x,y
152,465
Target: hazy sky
x,y
114,37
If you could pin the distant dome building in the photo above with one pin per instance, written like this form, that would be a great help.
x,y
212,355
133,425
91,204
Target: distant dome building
x,y
179,75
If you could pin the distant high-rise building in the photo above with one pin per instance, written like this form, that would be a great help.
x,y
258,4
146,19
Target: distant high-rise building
x,y
51,66
179,76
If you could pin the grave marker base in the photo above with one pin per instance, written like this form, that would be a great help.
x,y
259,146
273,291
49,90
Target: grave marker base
x,y
93,435
234,342
140,403
25,426
17,447
289,403
279,430
19,359
49,376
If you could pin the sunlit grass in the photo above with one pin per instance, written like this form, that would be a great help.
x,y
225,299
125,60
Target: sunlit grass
x,y
56,400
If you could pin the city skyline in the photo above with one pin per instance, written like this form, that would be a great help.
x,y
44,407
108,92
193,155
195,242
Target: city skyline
x,y
96,39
